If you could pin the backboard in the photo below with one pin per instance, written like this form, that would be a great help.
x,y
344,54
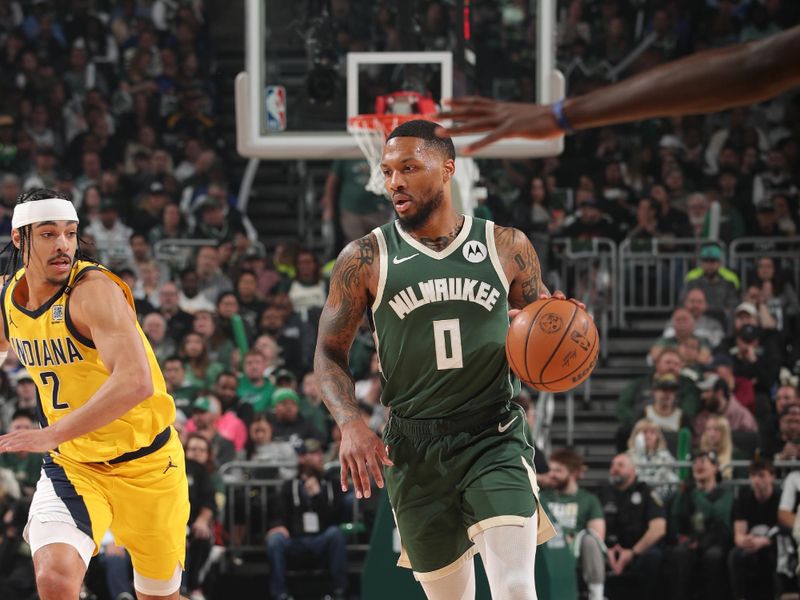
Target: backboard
x,y
311,65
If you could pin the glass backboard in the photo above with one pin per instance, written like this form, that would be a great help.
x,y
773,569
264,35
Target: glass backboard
x,y
311,65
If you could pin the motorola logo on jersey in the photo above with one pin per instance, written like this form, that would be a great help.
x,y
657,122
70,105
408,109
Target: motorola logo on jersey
x,y
475,251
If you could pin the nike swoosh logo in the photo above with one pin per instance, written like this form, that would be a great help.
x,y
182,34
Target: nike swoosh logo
x,y
502,428
397,261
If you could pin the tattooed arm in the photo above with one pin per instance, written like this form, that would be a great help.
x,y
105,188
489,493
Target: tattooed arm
x,y
521,266
353,284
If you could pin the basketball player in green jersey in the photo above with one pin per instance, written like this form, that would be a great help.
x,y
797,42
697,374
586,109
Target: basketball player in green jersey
x,y
438,287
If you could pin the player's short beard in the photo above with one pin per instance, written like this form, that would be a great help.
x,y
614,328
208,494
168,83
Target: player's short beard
x,y
425,210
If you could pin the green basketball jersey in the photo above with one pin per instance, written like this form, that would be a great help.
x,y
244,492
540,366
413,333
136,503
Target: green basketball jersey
x,y
440,321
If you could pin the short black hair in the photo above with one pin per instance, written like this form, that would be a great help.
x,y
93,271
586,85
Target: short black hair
x,y
425,130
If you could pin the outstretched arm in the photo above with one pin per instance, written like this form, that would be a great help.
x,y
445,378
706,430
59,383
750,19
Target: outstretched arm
x,y
361,451
707,81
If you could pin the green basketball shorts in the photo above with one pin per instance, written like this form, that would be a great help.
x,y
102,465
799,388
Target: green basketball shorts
x,y
453,479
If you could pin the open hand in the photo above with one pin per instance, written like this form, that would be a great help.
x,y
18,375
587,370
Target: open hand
x,y
474,114
361,453
28,440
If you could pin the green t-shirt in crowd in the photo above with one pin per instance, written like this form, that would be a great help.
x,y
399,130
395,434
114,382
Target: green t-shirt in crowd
x,y
259,396
572,512
26,468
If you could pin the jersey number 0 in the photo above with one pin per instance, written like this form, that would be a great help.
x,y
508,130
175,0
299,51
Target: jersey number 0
x,y
448,356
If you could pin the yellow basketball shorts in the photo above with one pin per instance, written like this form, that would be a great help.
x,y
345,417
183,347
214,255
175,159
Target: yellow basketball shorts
x,y
143,500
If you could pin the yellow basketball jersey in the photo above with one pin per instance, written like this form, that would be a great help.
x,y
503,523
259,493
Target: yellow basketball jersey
x,y
67,370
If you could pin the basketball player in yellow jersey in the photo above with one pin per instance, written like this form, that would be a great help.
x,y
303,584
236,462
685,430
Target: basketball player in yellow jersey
x,y
113,459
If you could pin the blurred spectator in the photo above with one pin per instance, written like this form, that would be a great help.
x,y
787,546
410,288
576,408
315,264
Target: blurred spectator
x,y
305,522
154,326
785,445
359,211
683,330
251,304
697,210
636,522
740,388
111,237
646,226
776,179
590,221
778,295
785,395
225,389
705,327
171,227
270,350
254,388
752,560
638,393
201,371
287,422
718,283
295,338
262,447
217,220
220,347
701,519
118,568
578,517
25,466
178,386
211,280
190,299
307,290
754,362
663,411
205,414
716,400
148,212
648,450
201,511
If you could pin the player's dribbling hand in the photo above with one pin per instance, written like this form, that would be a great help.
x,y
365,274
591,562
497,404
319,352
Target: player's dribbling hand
x,y
544,296
361,453
28,440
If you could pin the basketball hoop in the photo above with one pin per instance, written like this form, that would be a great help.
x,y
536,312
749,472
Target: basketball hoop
x,y
370,132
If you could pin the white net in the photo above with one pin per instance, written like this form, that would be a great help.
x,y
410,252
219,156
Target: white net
x,y
370,133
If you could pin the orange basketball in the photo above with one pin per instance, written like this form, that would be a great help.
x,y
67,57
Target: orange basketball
x,y
552,345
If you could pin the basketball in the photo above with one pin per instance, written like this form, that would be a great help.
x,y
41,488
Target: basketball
x,y
552,345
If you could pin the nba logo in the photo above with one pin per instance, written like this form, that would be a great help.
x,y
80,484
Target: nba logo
x,y
276,107
58,313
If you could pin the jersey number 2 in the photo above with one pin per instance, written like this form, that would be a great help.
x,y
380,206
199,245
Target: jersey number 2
x,y
448,356
53,378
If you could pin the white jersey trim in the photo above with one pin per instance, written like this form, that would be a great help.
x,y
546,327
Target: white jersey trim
x,y
383,263
495,257
455,245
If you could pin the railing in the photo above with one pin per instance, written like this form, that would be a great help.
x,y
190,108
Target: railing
x,y
250,487
782,468
652,273
745,252
588,270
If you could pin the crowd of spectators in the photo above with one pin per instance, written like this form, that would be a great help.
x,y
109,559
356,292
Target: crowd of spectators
x,y
115,103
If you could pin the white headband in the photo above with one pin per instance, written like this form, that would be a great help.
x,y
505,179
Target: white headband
x,y
48,209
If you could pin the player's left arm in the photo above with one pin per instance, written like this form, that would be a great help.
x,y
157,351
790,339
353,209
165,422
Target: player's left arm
x,y
99,311
521,265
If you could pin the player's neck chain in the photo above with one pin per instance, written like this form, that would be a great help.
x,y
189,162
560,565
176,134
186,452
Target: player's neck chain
x,y
440,243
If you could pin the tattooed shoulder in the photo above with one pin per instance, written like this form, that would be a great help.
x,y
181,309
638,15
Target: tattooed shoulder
x,y
354,266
